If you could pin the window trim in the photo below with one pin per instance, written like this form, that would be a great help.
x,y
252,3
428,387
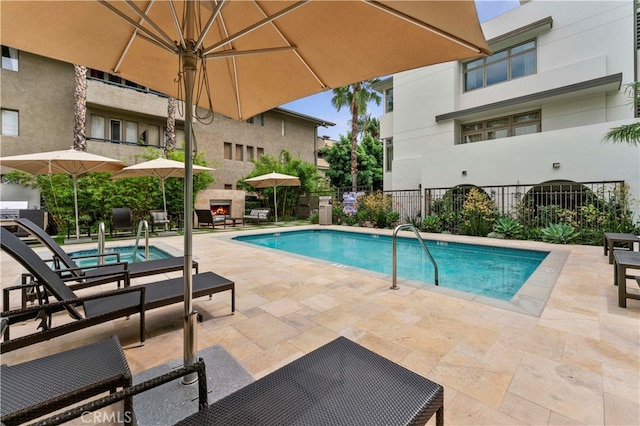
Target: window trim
x,y
111,122
483,129
486,62
12,62
17,122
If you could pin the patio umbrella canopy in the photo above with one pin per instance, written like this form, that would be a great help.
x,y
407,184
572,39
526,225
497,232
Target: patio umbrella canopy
x,y
273,180
246,56
160,168
70,162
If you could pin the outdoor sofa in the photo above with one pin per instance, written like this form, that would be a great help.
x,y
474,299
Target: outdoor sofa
x,y
257,215
98,308
206,218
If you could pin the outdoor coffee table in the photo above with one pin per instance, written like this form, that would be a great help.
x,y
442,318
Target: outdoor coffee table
x,y
340,383
625,260
611,237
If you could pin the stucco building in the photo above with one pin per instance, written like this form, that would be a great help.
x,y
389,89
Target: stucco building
x,y
536,111
124,120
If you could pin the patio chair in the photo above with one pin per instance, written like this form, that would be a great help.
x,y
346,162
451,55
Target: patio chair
x,y
35,388
257,215
89,277
340,383
208,219
121,221
98,308
160,218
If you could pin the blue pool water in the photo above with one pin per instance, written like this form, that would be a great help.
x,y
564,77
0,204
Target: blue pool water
x,y
489,271
126,255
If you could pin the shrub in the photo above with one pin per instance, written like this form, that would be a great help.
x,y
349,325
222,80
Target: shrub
x,y
314,218
478,213
559,233
508,227
377,208
431,223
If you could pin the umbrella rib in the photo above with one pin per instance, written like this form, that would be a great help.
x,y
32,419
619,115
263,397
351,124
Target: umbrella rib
x,y
304,62
130,42
207,27
255,26
234,53
235,68
423,25
152,37
153,25
176,21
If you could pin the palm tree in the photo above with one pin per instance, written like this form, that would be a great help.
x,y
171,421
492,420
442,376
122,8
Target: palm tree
x,y
369,125
356,96
628,133
172,106
80,108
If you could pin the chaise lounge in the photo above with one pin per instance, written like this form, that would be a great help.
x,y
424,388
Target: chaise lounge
x,y
340,383
35,388
95,275
98,308
257,215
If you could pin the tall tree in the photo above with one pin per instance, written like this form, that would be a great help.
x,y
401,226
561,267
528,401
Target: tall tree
x,y
628,133
170,143
356,96
369,125
80,108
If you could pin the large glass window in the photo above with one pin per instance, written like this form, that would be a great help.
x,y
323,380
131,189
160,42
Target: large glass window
x,y
115,130
10,125
501,127
513,62
388,100
132,132
388,146
97,127
9,58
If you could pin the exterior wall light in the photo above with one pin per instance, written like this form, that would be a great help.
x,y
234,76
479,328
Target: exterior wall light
x,y
464,173
556,165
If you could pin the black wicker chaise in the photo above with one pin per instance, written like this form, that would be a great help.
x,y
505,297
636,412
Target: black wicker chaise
x,y
98,308
340,383
41,386
89,277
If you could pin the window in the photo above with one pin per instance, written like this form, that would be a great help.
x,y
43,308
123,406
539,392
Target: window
x,y
239,156
115,130
516,61
388,100
9,123
260,152
97,127
132,132
9,58
227,151
258,120
502,127
153,135
388,146
250,156
228,186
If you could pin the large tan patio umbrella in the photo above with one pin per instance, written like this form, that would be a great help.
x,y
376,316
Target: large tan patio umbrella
x,y
273,180
245,57
160,168
70,162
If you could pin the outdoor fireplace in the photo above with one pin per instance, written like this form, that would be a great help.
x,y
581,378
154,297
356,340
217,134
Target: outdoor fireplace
x,y
221,207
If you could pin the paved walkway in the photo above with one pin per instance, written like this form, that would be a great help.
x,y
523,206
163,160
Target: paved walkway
x,y
577,362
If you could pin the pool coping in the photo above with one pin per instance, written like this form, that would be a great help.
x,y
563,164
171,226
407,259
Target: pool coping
x,y
530,299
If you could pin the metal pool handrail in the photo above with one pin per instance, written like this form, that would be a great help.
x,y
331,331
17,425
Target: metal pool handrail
x,y
143,224
101,238
394,285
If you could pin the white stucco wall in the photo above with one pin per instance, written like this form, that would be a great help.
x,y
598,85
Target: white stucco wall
x,y
588,40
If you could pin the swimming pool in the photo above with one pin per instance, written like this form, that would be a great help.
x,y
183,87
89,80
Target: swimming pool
x,y
494,272
126,255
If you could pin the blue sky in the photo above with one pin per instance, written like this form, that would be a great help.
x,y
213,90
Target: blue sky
x,y
319,105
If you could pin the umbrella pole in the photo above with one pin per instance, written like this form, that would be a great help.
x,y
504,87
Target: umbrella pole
x,y
275,202
75,200
189,62
164,202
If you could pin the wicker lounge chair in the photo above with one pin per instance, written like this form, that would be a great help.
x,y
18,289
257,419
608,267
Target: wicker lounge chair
x,y
340,383
257,215
41,386
98,308
91,276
